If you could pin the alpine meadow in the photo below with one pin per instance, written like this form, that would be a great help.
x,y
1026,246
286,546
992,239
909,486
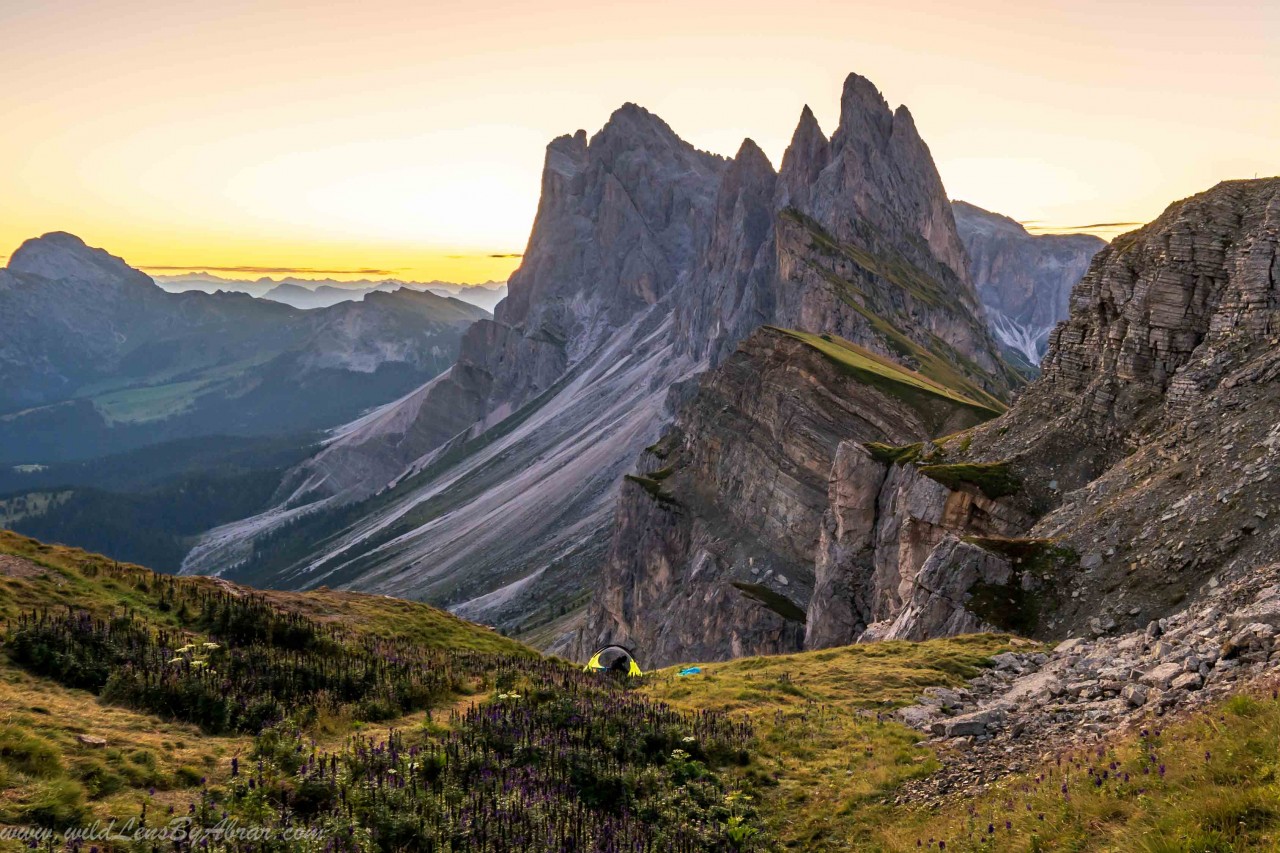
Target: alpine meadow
x,y
410,472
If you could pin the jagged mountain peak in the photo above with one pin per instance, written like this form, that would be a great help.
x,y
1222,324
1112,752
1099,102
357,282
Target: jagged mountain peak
x,y
631,125
565,155
806,156
863,111
875,176
61,255
750,157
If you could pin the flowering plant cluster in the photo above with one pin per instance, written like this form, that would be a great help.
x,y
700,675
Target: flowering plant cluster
x,y
552,759
572,763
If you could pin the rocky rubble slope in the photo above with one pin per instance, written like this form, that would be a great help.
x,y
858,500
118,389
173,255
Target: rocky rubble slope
x,y
1033,706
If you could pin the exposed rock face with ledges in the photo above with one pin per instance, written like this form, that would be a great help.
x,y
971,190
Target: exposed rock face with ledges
x,y
715,542
1146,457
884,522
853,236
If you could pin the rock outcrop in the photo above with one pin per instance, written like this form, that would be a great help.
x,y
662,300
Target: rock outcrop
x,y
716,540
1023,280
1142,464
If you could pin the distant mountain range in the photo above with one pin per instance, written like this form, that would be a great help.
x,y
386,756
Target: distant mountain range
x,y
132,419
97,358
1024,280
310,293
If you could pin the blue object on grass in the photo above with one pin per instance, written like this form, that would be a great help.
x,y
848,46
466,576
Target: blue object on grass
x,y
690,670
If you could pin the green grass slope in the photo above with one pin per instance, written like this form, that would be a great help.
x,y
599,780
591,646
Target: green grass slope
x,y
386,725
891,377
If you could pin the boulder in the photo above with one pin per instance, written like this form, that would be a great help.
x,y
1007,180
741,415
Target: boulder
x,y
969,725
1135,694
1162,675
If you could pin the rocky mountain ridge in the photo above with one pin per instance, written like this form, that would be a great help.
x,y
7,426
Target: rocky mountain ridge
x,y
492,489
322,292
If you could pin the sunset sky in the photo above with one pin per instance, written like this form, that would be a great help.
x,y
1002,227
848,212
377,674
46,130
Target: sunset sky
x,y
405,138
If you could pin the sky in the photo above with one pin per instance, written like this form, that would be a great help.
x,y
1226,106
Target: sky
x,y
404,138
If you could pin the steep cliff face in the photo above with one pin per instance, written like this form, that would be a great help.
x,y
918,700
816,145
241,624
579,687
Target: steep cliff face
x,y
715,543
1139,469
884,521
853,238
1024,281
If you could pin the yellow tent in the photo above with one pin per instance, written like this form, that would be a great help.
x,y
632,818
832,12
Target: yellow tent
x,y
613,659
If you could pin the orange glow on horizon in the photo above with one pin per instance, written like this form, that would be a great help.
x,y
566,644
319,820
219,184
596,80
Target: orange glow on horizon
x,y
408,137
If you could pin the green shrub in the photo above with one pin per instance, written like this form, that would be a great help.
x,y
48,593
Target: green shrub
x,y
188,777
98,779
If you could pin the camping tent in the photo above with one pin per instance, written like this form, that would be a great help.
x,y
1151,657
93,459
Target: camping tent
x,y
613,659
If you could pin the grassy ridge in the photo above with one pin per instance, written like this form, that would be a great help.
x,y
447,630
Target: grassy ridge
x,y
827,754
828,760
887,375
1204,784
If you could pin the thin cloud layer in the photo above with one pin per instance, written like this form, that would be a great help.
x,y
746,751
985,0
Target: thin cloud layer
x,y
1031,226
264,270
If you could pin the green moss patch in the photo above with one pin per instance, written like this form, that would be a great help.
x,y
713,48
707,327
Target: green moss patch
x,y
994,479
1008,607
1028,553
654,488
894,454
